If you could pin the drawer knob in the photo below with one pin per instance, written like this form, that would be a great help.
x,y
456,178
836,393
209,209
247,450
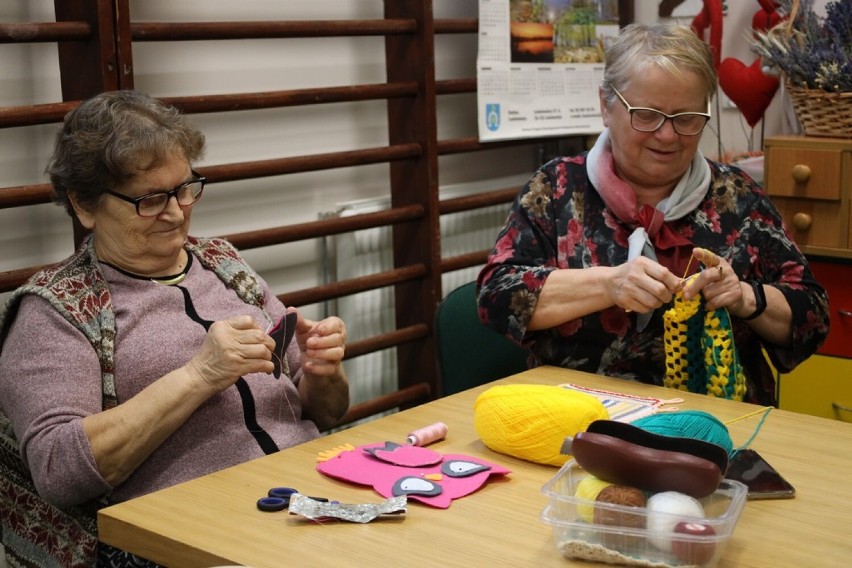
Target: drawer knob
x,y
802,221
801,173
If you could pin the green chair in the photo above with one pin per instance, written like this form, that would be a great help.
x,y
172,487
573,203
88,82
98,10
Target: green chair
x,y
469,352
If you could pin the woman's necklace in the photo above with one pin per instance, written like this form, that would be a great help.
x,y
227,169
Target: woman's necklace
x,y
172,280
177,278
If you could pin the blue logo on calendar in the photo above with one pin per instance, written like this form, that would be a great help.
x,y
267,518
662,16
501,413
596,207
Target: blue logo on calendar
x,y
492,116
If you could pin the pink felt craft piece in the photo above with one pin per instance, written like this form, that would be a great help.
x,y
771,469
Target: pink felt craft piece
x,y
454,476
406,456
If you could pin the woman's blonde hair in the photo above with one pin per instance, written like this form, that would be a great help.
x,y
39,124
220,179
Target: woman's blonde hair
x,y
673,48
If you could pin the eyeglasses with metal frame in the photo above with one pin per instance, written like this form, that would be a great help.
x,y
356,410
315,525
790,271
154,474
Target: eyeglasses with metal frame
x,y
646,119
152,204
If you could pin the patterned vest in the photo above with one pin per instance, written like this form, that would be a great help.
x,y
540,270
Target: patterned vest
x,y
34,532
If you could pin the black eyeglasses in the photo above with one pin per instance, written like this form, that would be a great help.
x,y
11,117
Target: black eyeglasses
x,y
153,204
650,120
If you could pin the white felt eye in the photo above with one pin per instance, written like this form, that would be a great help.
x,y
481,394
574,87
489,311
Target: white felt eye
x,y
416,486
459,468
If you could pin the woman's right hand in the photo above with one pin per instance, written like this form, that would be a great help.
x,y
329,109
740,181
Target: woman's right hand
x,y
642,285
232,348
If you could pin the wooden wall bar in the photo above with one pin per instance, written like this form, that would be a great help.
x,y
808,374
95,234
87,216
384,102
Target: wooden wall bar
x,y
95,39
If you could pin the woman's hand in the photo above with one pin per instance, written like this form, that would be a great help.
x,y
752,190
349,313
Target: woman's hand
x,y
722,288
642,285
324,389
718,282
322,344
232,348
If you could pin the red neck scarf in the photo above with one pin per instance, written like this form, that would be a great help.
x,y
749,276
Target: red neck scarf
x,y
672,248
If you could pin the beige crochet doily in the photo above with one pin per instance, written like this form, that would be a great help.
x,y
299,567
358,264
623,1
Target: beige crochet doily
x,y
597,553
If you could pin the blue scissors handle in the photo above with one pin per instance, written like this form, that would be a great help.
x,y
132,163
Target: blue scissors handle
x,y
283,492
272,504
278,499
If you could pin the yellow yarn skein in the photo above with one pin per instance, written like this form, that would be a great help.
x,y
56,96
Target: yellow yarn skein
x,y
530,422
588,489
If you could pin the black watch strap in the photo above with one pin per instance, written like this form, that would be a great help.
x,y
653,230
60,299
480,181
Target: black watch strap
x,y
759,299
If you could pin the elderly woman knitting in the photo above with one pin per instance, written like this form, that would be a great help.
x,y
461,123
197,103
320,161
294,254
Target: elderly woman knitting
x,y
597,245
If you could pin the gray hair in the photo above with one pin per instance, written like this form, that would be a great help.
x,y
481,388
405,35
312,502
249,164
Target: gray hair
x,y
109,138
673,48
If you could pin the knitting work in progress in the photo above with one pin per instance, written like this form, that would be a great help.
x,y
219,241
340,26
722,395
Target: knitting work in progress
x,y
700,353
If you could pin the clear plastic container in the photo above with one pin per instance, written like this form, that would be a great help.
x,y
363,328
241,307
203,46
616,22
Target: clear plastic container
x,y
636,545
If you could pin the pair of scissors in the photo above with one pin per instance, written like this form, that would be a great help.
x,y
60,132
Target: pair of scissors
x,y
278,499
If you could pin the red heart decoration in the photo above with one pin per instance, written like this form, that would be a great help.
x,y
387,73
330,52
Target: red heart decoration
x,y
747,87
765,20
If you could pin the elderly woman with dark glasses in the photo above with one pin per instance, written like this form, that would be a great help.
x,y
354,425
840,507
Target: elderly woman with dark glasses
x,y
597,245
144,359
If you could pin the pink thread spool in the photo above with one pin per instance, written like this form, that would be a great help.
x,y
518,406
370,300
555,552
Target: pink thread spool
x,y
428,434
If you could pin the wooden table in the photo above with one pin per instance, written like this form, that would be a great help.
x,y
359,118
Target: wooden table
x,y
213,520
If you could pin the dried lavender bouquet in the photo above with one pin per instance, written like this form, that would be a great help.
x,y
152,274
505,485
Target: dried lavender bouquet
x,y
815,52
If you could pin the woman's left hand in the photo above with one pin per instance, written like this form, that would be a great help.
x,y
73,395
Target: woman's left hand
x,y
322,344
718,282
722,288
324,388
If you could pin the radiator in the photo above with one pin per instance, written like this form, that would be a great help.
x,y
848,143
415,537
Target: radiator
x,y
369,251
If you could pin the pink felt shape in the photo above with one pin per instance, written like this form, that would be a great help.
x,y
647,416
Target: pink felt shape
x,y
406,456
747,87
361,467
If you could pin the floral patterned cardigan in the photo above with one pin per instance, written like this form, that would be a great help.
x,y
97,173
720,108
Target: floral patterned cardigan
x,y
558,220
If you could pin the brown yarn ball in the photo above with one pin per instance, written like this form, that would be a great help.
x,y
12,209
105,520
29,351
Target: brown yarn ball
x,y
620,495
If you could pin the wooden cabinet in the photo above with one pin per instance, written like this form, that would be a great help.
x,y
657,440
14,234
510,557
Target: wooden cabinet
x,y
810,182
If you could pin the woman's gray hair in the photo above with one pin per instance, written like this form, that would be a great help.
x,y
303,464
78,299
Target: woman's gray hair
x,y
673,48
110,138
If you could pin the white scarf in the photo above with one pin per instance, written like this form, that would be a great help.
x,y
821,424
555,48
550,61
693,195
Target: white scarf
x,y
621,199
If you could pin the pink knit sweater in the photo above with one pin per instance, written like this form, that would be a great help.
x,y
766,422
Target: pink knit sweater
x,y
52,379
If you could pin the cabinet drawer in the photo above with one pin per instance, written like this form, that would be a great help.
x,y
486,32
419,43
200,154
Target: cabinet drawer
x,y
821,386
836,278
813,222
800,172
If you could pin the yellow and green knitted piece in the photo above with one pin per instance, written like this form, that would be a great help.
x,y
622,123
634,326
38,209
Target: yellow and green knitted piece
x,y
700,352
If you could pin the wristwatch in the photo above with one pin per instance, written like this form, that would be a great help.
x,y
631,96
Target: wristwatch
x,y
759,299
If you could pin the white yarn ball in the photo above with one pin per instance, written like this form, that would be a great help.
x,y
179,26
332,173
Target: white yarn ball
x,y
665,511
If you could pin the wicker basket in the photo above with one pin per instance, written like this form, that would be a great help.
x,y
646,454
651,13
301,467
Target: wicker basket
x,y
822,113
